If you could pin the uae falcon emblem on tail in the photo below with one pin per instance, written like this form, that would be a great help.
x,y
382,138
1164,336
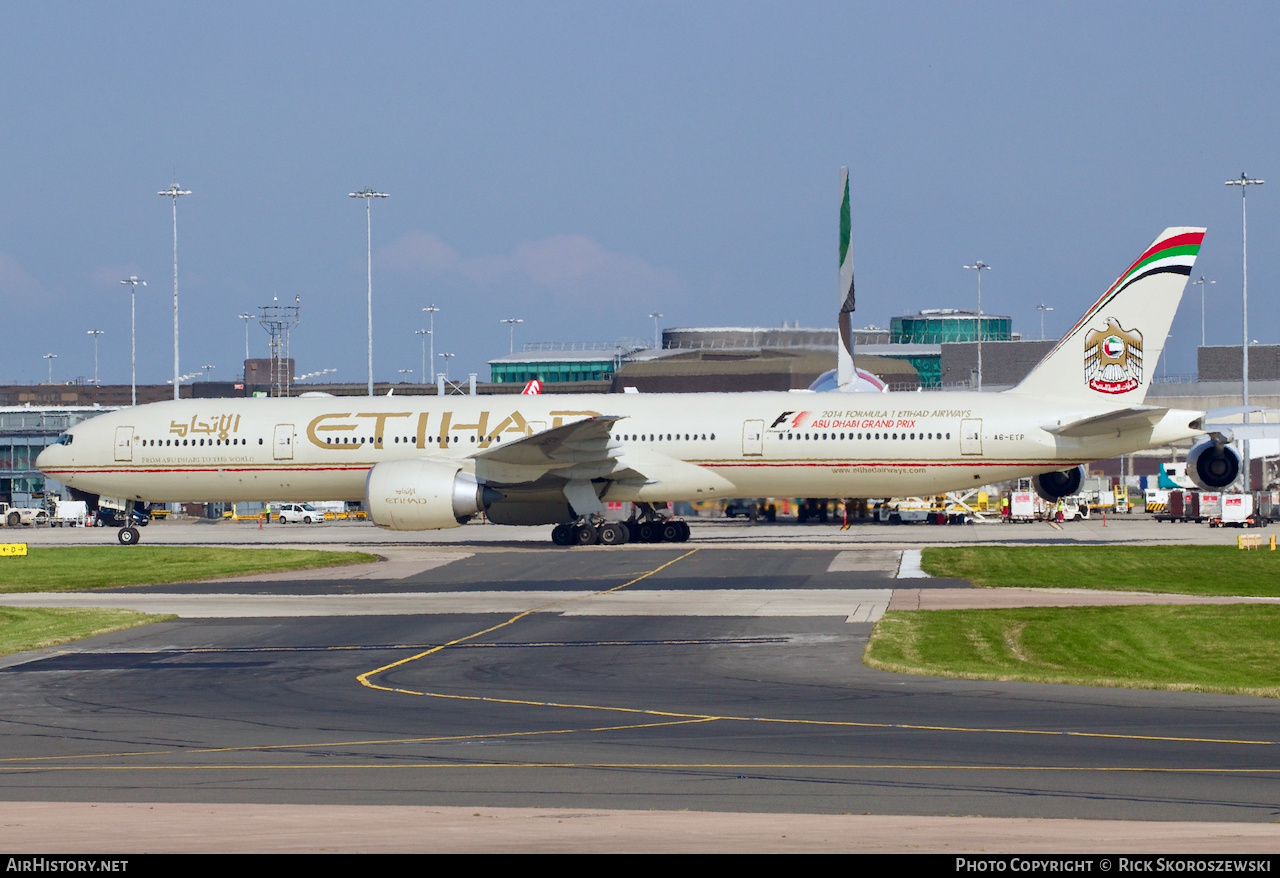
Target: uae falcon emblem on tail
x,y
1113,358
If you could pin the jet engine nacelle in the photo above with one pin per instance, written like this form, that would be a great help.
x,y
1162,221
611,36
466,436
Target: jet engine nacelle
x,y
1051,486
1212,466
423,495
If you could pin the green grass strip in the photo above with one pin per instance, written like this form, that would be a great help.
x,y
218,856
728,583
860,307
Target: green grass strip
x,y
24,628
1223,648
1200,570
77,568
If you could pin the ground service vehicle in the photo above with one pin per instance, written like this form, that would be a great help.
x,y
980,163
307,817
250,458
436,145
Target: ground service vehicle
x,y
299,513
19,516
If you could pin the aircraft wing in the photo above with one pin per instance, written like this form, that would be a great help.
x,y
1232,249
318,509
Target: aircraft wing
x,y
558,447
582,449
1130,418
586,450
1238,432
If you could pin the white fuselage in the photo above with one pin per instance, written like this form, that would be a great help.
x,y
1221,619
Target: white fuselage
x,y
755,444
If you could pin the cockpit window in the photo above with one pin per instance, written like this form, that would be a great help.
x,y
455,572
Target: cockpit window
x,y
65,439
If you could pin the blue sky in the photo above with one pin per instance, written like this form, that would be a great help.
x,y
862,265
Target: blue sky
x,y
581,165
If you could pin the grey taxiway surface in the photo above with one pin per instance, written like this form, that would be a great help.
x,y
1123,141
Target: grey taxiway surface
x,y
717,676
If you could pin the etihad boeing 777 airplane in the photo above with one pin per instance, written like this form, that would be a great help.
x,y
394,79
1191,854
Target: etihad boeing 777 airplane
x,y
427,462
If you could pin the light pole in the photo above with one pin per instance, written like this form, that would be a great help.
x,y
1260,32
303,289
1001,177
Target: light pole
x,y
446,358
424,333
1203,284
655,317
368,195
979,266
206,369
95,333
175,193
1244,183
246,318
1042,309
431,331
511,342
133,283
50,358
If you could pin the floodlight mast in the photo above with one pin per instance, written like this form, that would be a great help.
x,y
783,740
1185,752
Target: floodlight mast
x,y
1203,284
368,195
95,333
432,310
133,283
423,333
1042,308
511,342
979,267
175,193
246,318
1244,182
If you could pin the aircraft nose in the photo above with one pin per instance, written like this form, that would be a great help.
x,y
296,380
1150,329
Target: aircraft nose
x,y
51,456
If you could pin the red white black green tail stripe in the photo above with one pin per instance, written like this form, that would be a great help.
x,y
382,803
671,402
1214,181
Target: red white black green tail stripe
x,y
1138,308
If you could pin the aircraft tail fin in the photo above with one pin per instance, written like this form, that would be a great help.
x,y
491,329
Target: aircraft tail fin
x,y
846,375
1111,352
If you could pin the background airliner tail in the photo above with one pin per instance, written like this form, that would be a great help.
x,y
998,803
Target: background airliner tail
x,y
1110,355
846,375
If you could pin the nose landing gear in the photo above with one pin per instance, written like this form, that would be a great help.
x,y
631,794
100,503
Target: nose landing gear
x,y
135,518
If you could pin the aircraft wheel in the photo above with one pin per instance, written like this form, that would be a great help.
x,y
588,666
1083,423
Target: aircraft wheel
x,y
683,527
613,535
585,535
562,535
633,531
671,532
128,536
650,532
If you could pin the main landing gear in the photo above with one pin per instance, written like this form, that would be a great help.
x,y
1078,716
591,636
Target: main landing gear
x,y
649,528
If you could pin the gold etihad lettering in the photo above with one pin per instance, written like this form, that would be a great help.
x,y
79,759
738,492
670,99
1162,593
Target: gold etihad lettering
x,y
380,422
344,422
220,425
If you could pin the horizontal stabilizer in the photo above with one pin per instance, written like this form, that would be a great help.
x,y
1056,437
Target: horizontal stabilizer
x,y
1134,417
